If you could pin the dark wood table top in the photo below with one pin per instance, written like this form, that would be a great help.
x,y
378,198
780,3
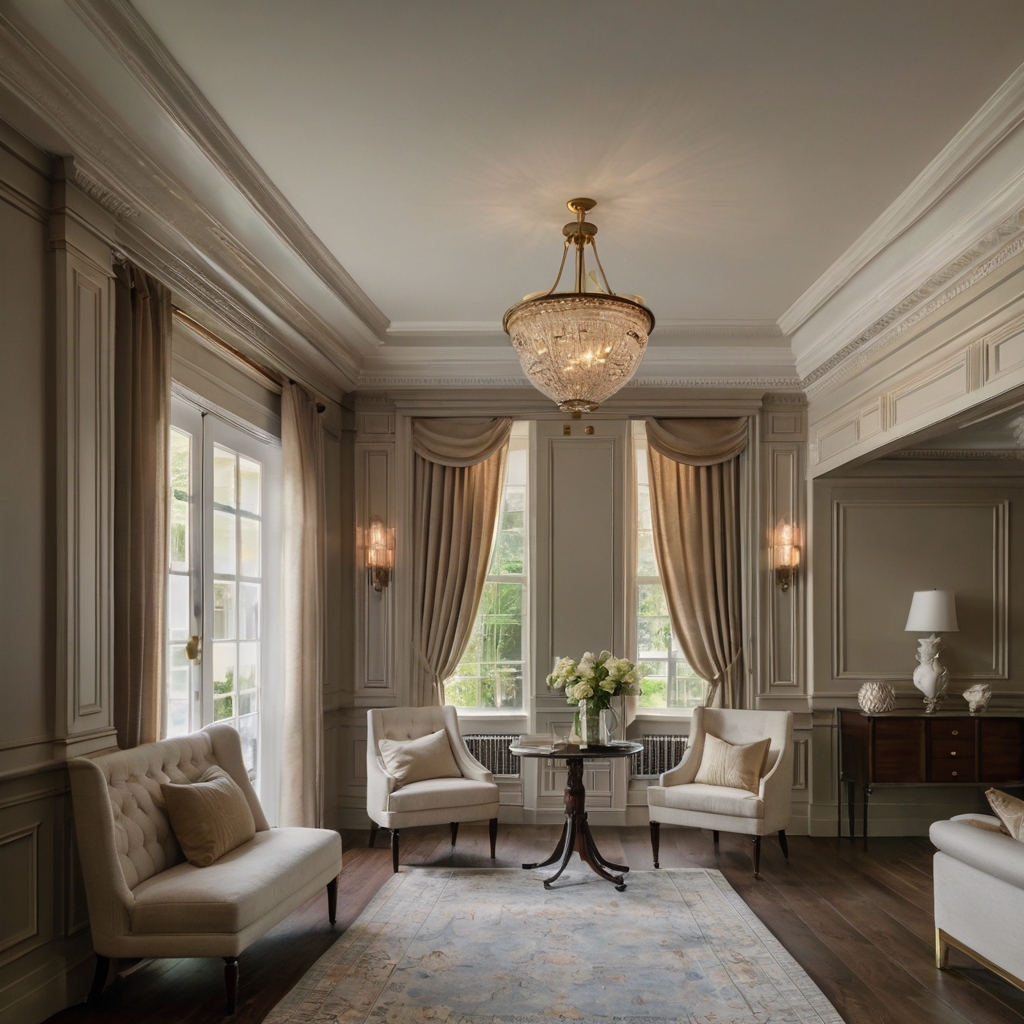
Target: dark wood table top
x,y
592,750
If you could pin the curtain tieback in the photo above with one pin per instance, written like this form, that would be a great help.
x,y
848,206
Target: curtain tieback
x,y
726,673
436,680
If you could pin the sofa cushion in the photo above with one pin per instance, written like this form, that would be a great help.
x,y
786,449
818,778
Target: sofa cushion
x,y
989,852
236,890
732,765
433,794
1009,810
209,817
428,757
695,796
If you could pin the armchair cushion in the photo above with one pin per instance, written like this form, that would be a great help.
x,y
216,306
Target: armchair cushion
x,y
695,796
732,765
438,794
415,760
209,817
241,887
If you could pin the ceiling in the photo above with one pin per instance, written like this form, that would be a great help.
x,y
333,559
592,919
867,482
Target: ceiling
x,y
736,149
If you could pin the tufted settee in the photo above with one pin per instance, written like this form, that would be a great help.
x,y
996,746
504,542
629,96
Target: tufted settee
x,y
145,899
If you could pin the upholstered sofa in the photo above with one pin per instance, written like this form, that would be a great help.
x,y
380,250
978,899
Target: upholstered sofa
x,y
979,895
145,899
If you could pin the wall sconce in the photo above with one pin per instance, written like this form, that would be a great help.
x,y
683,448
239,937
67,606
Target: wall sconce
x,y
380,554
787,553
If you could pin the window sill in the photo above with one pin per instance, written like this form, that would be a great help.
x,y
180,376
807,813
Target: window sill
x,y
491,713
661,714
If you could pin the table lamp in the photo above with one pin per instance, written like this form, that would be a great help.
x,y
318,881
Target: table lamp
x,y
934,612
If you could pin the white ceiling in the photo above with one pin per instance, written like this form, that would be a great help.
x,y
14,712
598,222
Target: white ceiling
x,y
735,149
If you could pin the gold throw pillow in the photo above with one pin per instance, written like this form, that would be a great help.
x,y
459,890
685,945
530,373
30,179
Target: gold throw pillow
x,y
738,766
1010,811
209,817
986,826
428,757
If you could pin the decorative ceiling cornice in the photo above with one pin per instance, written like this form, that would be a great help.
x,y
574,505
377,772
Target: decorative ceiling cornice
x,y
108,199
127,35
973,265
969,454
394,381
1000,115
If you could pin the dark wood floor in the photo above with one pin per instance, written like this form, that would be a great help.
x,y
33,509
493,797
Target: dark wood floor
x,y
860,923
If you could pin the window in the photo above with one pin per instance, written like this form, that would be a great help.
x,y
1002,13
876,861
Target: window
x,y
224,499
668,681
491,673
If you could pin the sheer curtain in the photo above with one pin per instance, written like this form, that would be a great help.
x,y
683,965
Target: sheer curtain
x,y
695,512
142,416
459,467
302,534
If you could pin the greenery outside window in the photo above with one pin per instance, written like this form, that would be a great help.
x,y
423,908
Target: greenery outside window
x,y
492,671
668,681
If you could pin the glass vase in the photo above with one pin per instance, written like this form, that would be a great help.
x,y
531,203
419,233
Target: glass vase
x,y
589,715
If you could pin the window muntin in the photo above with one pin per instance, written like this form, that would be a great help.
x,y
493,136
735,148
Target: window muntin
x,y
492,672
668,681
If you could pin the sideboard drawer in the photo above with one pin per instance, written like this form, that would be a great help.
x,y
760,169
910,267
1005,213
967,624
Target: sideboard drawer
x,y
952,770
956,746
960,729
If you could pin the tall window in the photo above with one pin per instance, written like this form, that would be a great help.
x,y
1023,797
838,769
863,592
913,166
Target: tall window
x,y
492,670
224,499
668,682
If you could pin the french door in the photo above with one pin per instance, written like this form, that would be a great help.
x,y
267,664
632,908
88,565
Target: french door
x,y
223,588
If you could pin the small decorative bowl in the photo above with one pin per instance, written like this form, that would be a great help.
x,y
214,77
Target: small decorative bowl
x,y
876,697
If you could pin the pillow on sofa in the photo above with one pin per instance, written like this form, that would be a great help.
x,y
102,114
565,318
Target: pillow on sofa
x,y
1010,811
429,757
209,817
738,766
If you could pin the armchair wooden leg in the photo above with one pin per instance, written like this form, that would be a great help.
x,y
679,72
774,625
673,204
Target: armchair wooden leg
x,y
374,829
231,981
783,843
455,832
492,828
714,837
332,900
757,856
394,849
655,841
99,979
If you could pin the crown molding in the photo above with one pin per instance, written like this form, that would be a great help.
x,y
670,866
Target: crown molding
x,y
1000,115
130,39
111,167
969,454
971,266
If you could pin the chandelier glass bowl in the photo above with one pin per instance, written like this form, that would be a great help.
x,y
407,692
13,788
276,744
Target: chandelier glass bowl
x,y
579,347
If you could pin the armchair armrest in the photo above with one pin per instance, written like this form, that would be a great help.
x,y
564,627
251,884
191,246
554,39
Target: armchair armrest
x,y
470,767
686,770
379,783
776,788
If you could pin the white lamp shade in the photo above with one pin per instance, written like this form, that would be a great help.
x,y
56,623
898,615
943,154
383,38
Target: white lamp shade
x,y
932,611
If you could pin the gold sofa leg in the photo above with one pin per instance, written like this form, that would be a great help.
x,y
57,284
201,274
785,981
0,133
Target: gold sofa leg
x,y
941,950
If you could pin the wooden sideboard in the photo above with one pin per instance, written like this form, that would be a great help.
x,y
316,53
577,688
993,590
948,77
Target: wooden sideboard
x,y
911,748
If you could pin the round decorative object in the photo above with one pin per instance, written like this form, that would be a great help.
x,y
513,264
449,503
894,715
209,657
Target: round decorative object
x,y
876,697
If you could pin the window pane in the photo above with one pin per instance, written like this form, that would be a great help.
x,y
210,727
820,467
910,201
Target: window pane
x,y
223,707
249,537
178,673
223,476
248,662
180,497
224,543
224,667
223,610
177,717
249,485
248,731
248,611
178,612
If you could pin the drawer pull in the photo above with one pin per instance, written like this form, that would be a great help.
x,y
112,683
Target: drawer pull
x,y
954,775
956,732
952,753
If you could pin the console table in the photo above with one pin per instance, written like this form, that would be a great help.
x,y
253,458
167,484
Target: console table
x,y
911,748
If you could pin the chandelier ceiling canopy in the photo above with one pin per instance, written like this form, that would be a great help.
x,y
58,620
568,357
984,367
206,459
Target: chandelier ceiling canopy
x,y
579,347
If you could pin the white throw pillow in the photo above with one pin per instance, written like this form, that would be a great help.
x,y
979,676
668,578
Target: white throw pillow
x,y
738,766
429,757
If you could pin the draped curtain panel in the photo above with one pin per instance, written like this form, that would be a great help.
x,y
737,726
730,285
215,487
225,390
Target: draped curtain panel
x,y
142,413
458,472
303,533
695,512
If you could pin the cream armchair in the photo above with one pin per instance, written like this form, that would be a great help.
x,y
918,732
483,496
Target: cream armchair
x,y
432,801
678,800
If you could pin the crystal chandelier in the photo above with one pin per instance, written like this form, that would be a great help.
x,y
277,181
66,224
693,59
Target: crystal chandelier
x,y
579,347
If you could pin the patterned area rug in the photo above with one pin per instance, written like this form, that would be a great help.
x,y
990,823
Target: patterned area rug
x,y
492,946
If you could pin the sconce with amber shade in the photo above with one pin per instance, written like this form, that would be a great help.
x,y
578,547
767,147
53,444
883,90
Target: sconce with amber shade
x,y
380,553
787,553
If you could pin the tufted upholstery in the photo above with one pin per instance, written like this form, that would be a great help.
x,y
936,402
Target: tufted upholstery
x,y
126,843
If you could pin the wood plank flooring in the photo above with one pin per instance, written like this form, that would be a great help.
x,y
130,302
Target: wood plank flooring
x,y
859,922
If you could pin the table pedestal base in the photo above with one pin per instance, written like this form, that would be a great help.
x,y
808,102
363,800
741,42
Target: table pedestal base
x,y
576,835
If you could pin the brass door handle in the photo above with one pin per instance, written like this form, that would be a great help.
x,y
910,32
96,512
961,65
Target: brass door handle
x,y
194,649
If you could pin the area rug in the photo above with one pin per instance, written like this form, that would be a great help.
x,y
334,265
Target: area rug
x,y
492,946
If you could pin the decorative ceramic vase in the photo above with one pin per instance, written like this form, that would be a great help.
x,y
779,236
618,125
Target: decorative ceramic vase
x,y
876,697
978,697
588,723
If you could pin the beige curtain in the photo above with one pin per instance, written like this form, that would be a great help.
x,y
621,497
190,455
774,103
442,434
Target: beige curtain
x,y
302,530
142,407
695,512
459,468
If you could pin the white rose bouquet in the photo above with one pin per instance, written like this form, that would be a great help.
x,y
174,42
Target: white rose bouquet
x,y
595,679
